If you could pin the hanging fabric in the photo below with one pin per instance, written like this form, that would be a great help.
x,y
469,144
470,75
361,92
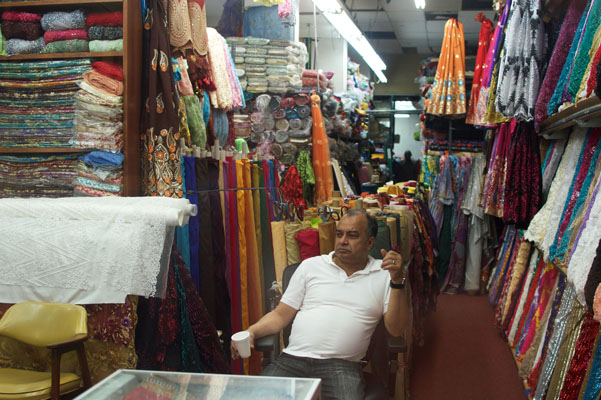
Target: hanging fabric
x,y
484,38
448,89
322,164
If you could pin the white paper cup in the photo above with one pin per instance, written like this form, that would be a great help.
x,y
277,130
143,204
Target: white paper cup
x,y
242,342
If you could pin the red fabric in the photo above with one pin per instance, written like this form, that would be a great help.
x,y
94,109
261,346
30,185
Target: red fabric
x,y
311,73
592,80
312,82
53,36
114,18
486,31
308,243
109,69
292,189
21,16
529,298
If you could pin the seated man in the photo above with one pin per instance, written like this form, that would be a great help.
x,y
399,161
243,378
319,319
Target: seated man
x,y
336,301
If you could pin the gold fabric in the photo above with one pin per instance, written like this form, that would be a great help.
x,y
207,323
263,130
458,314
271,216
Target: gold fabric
x,y
280,257
519,269
292,249
392,226
327,236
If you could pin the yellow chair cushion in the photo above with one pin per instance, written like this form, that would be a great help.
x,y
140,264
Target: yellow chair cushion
x,y
23,384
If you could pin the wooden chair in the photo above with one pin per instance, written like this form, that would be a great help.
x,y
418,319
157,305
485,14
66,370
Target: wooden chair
x,y
59,327
382,354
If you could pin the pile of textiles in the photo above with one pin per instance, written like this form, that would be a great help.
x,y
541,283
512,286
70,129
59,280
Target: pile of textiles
x,y
22,32
37,104
105,31
65,32
311,78
276,125
99,108
99,174
265,65
37,176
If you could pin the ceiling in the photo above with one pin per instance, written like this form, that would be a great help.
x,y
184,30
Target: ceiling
x,y
393,26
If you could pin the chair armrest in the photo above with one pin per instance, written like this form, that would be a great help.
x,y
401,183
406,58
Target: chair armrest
x,y
266,343
396,344
69,342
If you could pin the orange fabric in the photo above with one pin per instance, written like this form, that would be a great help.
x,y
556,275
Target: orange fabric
x,y
241,197
255,299
322,163
448,90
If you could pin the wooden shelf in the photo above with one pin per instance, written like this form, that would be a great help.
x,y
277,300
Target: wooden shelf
x,y
580,112
50,3
42,150
49,56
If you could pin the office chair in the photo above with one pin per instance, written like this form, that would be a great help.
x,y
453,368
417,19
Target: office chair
x,y
382,353
59,327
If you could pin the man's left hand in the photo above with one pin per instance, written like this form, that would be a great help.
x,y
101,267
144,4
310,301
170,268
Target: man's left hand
x,y
393,263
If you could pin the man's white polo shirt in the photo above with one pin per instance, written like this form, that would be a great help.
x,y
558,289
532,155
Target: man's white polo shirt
x,y
337,314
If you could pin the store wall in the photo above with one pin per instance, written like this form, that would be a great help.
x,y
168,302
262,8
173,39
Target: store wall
x,y
405,128
402,71
332,57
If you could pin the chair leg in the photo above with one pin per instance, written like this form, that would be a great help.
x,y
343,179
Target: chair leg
x,y
55,389
83,363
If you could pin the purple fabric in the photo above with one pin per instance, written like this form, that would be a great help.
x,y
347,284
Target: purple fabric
x,y
558,59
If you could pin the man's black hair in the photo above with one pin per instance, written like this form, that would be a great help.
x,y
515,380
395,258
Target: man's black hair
x,y
372,222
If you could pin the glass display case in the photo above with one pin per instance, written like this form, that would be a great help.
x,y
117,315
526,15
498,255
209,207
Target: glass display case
x,y
127,384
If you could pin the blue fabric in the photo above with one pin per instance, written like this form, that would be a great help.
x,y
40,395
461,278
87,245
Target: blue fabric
x,y
231,18
182,234
193,224
206,108
102,158
593,384
264,22
220,125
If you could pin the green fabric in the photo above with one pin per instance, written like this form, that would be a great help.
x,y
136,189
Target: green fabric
x,y
196,124
67,46
1,44
106,45
307,175
382,240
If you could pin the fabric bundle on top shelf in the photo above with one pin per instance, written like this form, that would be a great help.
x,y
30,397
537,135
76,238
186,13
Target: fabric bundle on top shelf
x,y
37,105
37,176
265,65
99,110
99,174
65,32
23,32
312,77
105,31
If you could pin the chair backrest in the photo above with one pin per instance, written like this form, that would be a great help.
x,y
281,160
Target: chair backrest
x,y
41,324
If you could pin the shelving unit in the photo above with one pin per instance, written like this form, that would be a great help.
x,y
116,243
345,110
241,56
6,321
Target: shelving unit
x,y
580,113
131,59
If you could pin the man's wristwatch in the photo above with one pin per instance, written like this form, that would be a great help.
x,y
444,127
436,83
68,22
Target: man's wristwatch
x,y
398,285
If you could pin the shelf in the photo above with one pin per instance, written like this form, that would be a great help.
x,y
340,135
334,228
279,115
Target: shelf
x,y
41,150
578,113
50,56
50,3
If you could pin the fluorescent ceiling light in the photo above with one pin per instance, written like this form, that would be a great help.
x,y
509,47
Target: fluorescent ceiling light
x,y
401,116
339,18
420,4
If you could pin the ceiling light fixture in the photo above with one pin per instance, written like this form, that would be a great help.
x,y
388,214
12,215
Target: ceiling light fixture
x,y
420,4
336,14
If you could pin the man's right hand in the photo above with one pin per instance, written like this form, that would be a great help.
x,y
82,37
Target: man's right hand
x,y
234,350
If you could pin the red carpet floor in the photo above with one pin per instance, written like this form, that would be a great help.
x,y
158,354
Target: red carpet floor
x,y
464,356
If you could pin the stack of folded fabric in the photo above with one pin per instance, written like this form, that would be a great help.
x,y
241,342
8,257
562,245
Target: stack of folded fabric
x,y
105,31
99,174
311,78
23,33
265,65
37,176
65,32
37,105
99,108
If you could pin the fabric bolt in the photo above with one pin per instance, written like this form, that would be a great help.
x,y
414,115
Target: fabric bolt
x,y
239,100
269,275
222,97
557,149
97,46
484,38
490,63
522,304
109,85
21,30
559,56
21,16
308,243
493,197
109,69
193,224
591,82
521,64
255,172
243,248
593,383
112,18
161,154
556,97
220,125
19,46
98,32
324,181
62,21
448,89
522,263
581,90
53,36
